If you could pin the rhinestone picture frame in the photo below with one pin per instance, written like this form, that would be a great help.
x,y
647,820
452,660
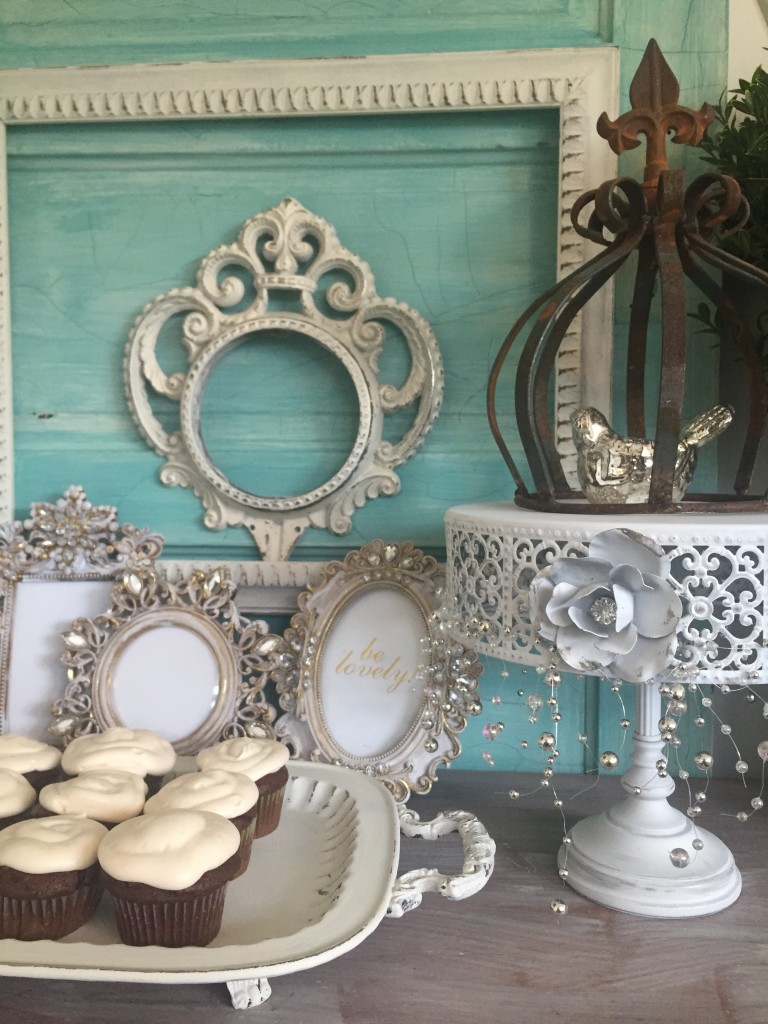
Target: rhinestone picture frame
x,y
70,550
202,606
405,725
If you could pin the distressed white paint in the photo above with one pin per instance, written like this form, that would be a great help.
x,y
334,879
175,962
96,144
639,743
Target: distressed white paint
x,y
320,885
578,83
621,858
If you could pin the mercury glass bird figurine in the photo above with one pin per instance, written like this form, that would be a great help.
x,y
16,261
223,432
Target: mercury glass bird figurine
x,y
617,470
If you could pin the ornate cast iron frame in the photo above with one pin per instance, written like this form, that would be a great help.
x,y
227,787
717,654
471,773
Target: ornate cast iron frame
x,y
451,671
203,604
579,83
284,249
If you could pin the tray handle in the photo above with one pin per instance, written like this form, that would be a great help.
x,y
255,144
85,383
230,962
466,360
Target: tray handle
x,y
479,850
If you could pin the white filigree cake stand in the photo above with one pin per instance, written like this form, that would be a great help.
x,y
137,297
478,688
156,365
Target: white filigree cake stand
x,y
621,858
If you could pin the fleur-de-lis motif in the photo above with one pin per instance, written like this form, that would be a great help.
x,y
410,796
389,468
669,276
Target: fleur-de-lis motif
x,y
655,112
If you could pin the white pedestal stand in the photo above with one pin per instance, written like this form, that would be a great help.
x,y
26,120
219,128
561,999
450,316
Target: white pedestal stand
x,y
621,858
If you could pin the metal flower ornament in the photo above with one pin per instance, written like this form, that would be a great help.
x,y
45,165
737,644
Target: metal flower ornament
x,y
615,610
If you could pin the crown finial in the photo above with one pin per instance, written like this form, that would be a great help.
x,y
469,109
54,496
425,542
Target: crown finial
x,y
654,93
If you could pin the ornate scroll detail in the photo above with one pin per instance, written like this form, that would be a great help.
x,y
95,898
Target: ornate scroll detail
x,y
449,678
479,857
71,538
285,249
715,206
68,539
721,580
141,601
575,82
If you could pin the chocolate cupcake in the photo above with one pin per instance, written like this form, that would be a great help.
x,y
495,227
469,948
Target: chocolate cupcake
x,y
167,874
106,796
230,794
262,760
17,796
37,762
49,876
139,751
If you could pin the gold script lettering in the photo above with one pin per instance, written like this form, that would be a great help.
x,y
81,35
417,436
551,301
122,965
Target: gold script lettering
x,y
370,664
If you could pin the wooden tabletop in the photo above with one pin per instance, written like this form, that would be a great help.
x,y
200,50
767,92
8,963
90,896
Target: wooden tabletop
x,y
500,957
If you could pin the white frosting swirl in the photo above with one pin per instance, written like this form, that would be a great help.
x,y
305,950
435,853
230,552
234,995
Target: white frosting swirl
x,y
16,794
227,793
140,751
104,795
169,850
254,757
23,754
42,845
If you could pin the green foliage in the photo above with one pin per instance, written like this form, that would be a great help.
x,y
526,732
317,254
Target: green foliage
x,y
713,322
737,144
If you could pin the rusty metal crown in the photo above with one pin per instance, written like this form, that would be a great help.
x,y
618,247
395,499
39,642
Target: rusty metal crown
x,y
674,232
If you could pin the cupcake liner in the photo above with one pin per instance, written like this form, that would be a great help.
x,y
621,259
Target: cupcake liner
x,y
192,921
246,825
148,916
26,916
270,803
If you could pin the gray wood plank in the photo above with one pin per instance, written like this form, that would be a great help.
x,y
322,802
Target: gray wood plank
x,y
501,956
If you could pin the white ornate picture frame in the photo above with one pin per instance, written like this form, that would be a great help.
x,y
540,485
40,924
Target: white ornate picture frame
x,y
367,676
579,83
284,250
59,562
177,659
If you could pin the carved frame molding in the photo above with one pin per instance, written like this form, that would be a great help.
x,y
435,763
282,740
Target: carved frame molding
x,y
429,736
275,248
65,540
580,83
141,601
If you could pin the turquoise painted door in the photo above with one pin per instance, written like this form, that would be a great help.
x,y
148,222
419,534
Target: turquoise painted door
x,y
456,216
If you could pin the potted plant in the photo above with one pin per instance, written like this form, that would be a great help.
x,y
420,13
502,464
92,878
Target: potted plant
x,y
736,144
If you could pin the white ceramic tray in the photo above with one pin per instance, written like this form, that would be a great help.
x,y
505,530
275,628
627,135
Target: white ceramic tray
x,y
314,889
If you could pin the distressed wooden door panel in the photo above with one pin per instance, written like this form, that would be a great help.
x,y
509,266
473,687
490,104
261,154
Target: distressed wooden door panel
x,y
456,218
692,34
50,32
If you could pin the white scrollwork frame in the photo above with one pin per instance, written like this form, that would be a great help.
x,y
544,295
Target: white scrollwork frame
x,y
142,601
579,83
62,543
284,249
439,696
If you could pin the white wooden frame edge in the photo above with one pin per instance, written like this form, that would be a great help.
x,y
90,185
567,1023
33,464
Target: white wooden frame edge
x,y
580,83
